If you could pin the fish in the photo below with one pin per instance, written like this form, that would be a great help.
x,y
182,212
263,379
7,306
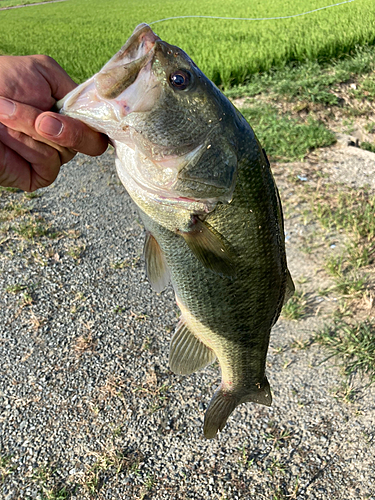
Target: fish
x,y
210,206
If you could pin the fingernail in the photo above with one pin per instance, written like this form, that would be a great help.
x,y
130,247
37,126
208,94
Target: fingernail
x,y
51,126
7,107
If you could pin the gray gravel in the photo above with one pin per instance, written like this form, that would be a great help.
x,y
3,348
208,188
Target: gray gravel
x,y
88,406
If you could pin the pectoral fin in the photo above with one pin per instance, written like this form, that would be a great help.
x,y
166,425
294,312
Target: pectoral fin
x,y
187,353
156,266
209,248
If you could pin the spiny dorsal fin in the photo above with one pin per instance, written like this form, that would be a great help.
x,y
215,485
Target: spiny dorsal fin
x,y
188,354
209,248
156,266
290,288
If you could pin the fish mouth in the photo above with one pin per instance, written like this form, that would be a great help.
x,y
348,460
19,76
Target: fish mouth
x,y
122,70
107,96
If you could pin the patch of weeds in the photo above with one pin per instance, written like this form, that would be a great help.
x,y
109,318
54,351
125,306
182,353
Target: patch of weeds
x,y
300,344
245,459
12,210
10,189
31,196
148,485
16,288
276,435
353,343
57,493
6,467
350,210
343,270
365,89
295,308
351,213
343,310
76,252
120,264
119,310
370,127
109,463
34,227
368,146
284,137
26,299
113,387
346,393
126,263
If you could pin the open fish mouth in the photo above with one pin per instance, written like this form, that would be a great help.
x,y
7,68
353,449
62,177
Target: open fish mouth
x,y
110,94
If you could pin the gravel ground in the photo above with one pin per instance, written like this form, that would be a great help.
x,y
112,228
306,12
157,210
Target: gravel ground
x,y
88,406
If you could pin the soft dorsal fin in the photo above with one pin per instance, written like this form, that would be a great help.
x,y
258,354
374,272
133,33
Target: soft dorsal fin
x,y
187,353
209,248
156,267
290,288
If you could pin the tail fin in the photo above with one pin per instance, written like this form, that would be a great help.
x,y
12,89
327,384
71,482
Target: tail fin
x,y
224,402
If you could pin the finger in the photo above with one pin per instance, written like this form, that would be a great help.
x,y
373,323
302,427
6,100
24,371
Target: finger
x,y
14,170
71,133
59,81
26,163
21,118
45,161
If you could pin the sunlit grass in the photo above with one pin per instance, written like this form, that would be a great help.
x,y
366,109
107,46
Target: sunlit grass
x,y
353,343
83,34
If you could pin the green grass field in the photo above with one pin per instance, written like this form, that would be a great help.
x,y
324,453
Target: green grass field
x,y
12,3
83,34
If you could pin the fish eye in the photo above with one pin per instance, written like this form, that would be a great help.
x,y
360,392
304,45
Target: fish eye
x,y
180,79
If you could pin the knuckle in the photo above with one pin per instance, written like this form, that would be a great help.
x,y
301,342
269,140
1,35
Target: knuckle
x,y
44,60
77,137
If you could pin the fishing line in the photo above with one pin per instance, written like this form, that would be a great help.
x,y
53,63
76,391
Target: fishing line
x,y
252,18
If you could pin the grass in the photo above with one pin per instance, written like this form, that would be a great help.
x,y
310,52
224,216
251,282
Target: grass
x,y
6,467
348,210
368,146
348,215
12,3
312,81
285,137
353,343
295,308
83,34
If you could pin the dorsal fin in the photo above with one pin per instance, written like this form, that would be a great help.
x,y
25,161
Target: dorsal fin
x,y
156,267
209,248
187,353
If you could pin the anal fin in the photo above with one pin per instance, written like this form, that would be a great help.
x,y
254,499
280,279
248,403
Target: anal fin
x,y
156,266
187,353
209,248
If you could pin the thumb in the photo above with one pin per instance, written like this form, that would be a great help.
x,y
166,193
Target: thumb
x,y
70,133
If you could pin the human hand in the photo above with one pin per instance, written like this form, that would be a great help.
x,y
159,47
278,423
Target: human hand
x,y
34,142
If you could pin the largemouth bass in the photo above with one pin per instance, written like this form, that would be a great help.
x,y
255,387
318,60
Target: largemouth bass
x,y
209,203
